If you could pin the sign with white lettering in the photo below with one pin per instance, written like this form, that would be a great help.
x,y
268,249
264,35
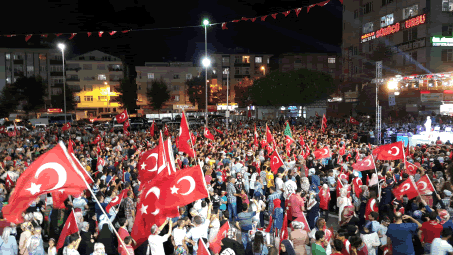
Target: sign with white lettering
x,y
407,46
442,41
431,97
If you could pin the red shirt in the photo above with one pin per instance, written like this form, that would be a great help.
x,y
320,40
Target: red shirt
x,y
346,247
296,204
123,233
130,249
430,230
363,250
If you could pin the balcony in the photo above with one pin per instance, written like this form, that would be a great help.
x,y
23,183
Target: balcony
x,y
18,61
75,88
115,69
56,73
73,68
115,79
56,62
73,79
241,64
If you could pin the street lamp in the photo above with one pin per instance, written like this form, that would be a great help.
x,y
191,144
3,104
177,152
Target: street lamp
x,y
264,70
227,72
206,63
61,46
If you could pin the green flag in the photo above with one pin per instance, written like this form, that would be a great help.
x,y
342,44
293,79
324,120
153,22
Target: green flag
x,y
288,130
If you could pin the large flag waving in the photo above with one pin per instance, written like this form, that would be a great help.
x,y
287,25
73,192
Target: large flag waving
x,y
276,162
289,141
122,117
208,134
53,171
424,185
323,153
255,141
185,142
365,164
407,187
70,227
215,244
391,151
269,137
288,130
117,200
66,126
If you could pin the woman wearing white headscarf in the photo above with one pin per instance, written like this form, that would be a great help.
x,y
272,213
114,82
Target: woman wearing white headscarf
x,y
305,185
8,244
299,237
343,201
99,249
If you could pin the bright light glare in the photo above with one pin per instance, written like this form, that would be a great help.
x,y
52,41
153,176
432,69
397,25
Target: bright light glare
x,y
61,46
397,93
206,62
392,85
262,68
205,22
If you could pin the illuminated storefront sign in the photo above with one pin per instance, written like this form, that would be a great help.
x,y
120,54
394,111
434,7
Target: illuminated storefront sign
x,y
54,110
388,30
442,41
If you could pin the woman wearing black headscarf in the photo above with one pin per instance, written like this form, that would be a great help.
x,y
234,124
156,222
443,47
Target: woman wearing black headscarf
x,y
107,237
286,248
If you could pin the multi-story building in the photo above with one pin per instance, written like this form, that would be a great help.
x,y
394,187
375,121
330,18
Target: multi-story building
x,y
43,62
175,75
325,62
95,76
239,66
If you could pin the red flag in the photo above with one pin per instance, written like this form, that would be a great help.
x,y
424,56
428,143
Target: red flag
x,y
407,187
276,162
367,180
353,121
269,137
70,145
411,169
284,234
66,126
365,164
8,182
166,132
117,200
339,186
52,171
324,120
126,124
391,151
12,133
81,169
202,249
357,183
97,139
269,227
58,198
122,117
215,244
424,185
289,140
218,131
316,113
169,156
255,138
70,227
147,165
101,162
342,150
304,221
151,129
323,153
208,134
185,142
3,130
301,140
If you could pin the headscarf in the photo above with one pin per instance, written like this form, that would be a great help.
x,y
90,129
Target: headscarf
x,y
6,234
343,192
365,191
290,187
289,248
305,185
104,220
348,213
99,249
298,225
444,216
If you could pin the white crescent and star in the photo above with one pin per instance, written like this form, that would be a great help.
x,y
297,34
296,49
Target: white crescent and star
x,y
396,149
372,204
155,166
423,184
61,172
405,187
369,162
156,192
191,189
123,115
275,162
326,151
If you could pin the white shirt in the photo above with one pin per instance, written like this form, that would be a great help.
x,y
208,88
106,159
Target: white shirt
x,y
440,247
278,184
197,205
372,242
203,212
196,233
178,235
156,243
253,180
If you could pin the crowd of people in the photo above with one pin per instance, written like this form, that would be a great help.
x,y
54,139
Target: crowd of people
x,y
325,206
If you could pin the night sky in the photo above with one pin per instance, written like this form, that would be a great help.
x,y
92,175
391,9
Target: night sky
x,y
318,31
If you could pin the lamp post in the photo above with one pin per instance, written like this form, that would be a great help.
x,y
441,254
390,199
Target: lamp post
x,y
264,70
62,47
227,72
206,63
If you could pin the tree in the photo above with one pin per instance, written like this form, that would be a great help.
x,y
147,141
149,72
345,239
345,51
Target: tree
x,y
241,92
8,100
158,94
57,101
128,94
297,87
196,91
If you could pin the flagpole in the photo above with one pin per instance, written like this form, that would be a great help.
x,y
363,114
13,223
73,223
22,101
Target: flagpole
x,y
377,176
94,196
431,185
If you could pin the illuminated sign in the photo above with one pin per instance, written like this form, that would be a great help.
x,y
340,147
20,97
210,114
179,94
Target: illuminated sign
x,y
388,30
54,110
442,41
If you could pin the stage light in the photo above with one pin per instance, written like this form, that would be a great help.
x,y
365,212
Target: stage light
x,y
392,84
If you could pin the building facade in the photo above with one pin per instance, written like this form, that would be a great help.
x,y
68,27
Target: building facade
x,y
95,77
324,62
175,74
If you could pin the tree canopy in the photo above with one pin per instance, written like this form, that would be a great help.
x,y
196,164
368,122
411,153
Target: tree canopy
x,y
196,91
57,101
158,94
298,87
128,95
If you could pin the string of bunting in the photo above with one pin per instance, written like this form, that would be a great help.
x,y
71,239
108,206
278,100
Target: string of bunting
x,y
224,24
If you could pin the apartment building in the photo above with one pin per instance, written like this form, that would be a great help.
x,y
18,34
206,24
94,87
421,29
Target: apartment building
x,y
175,75
239,66
46,63
95,76
324,62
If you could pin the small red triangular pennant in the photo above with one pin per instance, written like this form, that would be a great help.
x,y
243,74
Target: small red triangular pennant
x,y
112,33
263,18
72,36
224,27
274,15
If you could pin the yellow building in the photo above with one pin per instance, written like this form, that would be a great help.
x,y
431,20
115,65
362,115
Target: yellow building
x,y
95,76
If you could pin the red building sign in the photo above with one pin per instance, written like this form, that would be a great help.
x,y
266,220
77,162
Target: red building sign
x,y
388,30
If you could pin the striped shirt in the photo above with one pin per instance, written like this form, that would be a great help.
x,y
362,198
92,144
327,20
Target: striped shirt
x,y
231,190
270,200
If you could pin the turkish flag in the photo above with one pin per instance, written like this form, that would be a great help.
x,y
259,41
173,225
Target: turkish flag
x,y
301,140
166,132
276,162
8,182
126,124
324,120
3,130
284,233
407,187
371,206
58,198
101,162
117,200
304,221
70,227
215,244
411,169
66,126
342,151
339,186
147,165
202,249
122,117
169,156
126,133
185,142
365,164
52,171
97,139
323,153
218,131
70,146
353,121
180,189
424,185
269,137
357,183
289,140
391,151
12,133
151,129
208,134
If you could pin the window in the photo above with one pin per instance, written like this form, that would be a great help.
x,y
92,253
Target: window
x,y
150,75
175,88
387,20
385,2
226,61
102,77
410,34
237,59
367,8
236,70
81,58
188,76
247,70
17,56
8,80
447,5
447,29
8,56
42,68
56,68
102,98
101,67
56,91
259,60
355,51
88,98
88,87
356,14
367,28
92,58
177,98
447,55
176,76
29,56
268,61
87,67
30,68
410,58
356,69
331,60
410,11
246,59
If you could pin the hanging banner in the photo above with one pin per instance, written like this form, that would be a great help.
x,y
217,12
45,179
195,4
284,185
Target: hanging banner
x,y
431,97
